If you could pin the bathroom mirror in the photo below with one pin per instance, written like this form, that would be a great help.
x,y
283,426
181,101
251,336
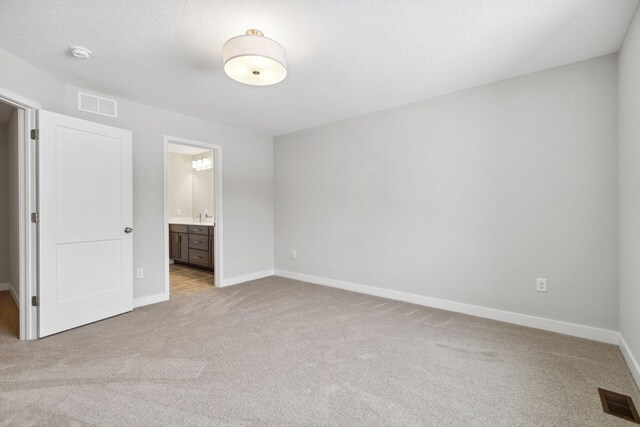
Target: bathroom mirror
x,y
191,183
203,191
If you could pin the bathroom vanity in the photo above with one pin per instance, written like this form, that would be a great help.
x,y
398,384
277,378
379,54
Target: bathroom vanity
x,y
192,244
191,201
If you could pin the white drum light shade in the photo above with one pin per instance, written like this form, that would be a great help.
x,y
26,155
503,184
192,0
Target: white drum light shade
x,y
254,59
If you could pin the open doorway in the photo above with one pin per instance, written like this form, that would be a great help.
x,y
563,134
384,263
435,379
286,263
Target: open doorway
x,y
9,226
47,220
18,234
192,216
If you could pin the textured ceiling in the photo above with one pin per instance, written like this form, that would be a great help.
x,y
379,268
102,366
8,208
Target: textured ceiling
x,y
346,58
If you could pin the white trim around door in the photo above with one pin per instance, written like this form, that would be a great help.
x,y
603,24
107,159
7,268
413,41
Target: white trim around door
x,y
28,232
218,237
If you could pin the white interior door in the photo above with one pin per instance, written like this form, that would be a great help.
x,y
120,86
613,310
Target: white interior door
x,y
85,205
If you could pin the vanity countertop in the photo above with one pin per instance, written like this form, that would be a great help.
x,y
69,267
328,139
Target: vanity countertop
x,y
192,221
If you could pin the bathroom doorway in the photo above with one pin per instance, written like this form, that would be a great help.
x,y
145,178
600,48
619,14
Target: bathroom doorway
x,y
193,216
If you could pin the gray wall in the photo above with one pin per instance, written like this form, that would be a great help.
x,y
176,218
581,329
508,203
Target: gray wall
x,y
247,174
629,156
180,183
467,197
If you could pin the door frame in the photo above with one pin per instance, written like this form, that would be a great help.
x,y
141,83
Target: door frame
x,y
28,203
217,197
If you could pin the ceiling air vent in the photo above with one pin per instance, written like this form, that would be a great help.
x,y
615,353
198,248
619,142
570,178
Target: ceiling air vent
x,y
97,105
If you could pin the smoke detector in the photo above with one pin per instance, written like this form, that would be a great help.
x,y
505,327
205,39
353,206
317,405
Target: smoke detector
x,y
80,52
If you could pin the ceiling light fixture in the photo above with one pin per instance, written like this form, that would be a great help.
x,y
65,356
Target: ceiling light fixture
x,y
254,59
80,52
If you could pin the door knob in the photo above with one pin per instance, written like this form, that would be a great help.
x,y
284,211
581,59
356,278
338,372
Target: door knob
x,y
128,230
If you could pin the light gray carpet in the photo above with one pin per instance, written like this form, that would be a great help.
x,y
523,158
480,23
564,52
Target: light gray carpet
x,y
280,352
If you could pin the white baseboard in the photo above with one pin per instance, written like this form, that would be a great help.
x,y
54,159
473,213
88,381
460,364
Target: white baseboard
x,y
573,329
151,299
632,362
14,294
247,277
4,286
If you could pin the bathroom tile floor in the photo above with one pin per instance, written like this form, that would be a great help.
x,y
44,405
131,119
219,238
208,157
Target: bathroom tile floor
x,y
188,280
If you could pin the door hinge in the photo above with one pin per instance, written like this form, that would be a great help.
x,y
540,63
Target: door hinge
x,y
34,301
35,217
35,134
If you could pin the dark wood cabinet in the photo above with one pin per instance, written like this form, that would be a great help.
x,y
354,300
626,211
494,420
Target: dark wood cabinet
x,y
211,248
179,246
197,241
199,229
192,245
174,245
184,247
198,257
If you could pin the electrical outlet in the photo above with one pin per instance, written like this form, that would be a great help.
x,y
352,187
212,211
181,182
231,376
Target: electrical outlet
x,y
294,254
178,211
541,285
139,273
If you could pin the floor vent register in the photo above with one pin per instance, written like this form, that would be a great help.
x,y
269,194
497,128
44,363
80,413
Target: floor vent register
x,y
619,405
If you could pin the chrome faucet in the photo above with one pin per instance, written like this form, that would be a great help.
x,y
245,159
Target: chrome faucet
x,y
206,215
